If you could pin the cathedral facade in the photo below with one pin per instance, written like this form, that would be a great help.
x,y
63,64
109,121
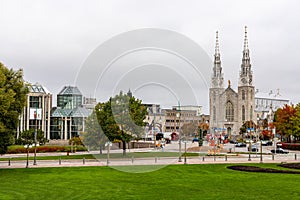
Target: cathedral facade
x,y
230,109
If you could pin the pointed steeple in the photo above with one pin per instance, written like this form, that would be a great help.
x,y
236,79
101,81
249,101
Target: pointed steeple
x,y
246,73
217,77
245,39
217,50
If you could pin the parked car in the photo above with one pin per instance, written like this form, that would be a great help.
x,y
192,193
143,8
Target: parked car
x,y
280,150
267,143
240,144
254,148
195,140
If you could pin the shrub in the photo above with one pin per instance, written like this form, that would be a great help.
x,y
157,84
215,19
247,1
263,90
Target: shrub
x,y
290,146
76,141
42,149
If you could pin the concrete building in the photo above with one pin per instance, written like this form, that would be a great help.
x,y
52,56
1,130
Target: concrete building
x,y
264,102
230,109
36,113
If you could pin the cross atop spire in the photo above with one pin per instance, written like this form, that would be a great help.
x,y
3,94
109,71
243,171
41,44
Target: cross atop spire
x,y
245,39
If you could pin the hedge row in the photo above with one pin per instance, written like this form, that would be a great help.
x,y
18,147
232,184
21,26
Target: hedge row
x,y
43,149
290,146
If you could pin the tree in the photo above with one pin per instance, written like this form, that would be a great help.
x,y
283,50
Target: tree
x,y
122,118
296,123
13,92
285,120
27,137
248,124
189,128
93,135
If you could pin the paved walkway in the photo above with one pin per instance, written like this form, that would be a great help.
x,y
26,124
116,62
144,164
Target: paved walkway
x,y
293,156
243,158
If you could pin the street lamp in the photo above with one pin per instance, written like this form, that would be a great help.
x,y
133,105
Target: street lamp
x,y
35,133
108,144
178,117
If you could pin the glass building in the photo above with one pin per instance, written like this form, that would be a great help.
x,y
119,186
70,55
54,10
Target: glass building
x,y
36,113
68,118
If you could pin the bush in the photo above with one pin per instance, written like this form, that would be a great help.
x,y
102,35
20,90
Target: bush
x,y
42,149
76,141
290,146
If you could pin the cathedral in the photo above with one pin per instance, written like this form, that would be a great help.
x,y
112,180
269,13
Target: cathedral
x,y
230,109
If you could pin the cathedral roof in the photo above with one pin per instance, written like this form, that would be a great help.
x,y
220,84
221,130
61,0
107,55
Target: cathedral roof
x,y
270,95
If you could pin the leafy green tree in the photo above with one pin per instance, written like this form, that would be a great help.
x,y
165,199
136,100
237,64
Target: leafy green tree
x,y
27,137
122,118
296,123
13,92
93,135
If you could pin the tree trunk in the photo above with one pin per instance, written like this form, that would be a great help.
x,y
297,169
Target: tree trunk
x,y
101,149
124,148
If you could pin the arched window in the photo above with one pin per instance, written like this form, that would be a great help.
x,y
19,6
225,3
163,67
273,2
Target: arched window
x,y
214,113
229,112
243,113
251,112
243,94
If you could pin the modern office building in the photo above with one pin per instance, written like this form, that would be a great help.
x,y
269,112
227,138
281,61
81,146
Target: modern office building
x,y
36,113
176,118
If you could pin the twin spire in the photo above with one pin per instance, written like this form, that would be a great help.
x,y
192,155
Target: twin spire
x,y
217,50
245,67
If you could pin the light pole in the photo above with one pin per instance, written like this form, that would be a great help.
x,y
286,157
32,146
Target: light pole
x,y
108,144
178,117
185,152
35,133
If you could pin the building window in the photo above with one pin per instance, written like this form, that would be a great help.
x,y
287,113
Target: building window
x,y
214,113
243,94
34,102
229,111
251,112
243,113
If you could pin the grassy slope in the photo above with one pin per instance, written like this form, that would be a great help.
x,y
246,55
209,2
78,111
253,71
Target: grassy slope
x,y
171,182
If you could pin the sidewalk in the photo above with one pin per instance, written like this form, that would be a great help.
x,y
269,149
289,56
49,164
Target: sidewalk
x,y
243,158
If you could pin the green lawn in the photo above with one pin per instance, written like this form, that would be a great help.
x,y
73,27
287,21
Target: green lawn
x,y
171,182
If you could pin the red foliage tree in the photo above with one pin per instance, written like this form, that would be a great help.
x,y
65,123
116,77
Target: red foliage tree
x,y
282,121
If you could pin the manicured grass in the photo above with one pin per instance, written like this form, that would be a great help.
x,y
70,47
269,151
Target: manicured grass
x,y
104,156
171,182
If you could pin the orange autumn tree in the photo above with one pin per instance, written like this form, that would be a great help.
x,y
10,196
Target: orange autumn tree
x,y
283,121
267,132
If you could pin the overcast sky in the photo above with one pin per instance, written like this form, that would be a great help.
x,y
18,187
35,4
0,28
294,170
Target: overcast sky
x,y
52,40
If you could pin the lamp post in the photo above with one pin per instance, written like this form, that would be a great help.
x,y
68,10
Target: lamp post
x,y
185,152
108,144
35,133
178,117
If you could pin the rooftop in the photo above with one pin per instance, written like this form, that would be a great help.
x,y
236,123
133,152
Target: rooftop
x,y
70,90
38,88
